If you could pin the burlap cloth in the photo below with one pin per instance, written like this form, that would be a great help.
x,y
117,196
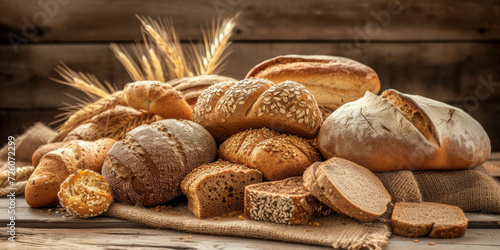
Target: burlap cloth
x,y
472,190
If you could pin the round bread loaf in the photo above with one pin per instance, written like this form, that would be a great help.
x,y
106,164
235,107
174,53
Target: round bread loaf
x,y
332,80
400,131
192,87
228,108
148,166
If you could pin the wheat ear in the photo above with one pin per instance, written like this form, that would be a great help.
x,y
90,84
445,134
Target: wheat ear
x,y
126,60
117,127
208,58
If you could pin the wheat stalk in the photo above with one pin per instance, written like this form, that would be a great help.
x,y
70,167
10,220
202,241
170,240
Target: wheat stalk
x,y
117,127
128,63
208,58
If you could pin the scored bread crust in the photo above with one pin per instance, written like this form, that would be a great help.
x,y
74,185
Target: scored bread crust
x,y
85,194
332,80
406,227
148,166
342,201
277,156
42,150
228,108
293,206
399,131
230,195
192,87
158,98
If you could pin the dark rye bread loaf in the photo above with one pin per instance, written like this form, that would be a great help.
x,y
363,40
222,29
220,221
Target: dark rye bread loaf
x,y
148,166
218,188
285,202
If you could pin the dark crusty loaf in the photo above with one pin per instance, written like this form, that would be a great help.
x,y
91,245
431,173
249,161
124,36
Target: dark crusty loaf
x,y
218,188
285,201
277,156
333,81
148,166
428,218
227,108
352,189
400,131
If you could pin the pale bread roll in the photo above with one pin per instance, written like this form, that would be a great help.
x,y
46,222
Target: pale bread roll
x,y
400,131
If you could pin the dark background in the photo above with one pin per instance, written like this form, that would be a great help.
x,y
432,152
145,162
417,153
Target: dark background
x,y
445,50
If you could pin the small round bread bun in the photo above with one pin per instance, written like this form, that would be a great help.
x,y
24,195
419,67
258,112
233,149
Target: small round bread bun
x,y
85,194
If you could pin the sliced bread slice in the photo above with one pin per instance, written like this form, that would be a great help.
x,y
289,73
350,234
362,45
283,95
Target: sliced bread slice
x,y
428,218
218,188
285,201
354,190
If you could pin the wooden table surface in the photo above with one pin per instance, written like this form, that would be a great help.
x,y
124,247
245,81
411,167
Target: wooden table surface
x,y
41,229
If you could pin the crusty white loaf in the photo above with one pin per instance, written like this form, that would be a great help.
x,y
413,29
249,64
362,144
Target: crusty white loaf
x,y
400,131
148,166
332,80
227,108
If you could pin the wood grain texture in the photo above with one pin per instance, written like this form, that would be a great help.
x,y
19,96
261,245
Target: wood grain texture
x,y
339,20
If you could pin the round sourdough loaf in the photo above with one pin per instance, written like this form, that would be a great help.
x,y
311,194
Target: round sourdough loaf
x,y
332,80
399,131
227,108
148,166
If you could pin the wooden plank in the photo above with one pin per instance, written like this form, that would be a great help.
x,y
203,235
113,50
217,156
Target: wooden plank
x,y
339,20
449,72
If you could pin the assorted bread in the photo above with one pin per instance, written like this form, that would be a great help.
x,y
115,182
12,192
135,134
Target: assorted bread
x,y
277,156
55,166
285,202
147,167
428,218
217,189
227,108
192,87
333,81
396,131
85,194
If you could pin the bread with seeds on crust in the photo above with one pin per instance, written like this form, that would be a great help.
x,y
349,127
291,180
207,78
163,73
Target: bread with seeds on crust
x,y
148,166
227,108
277,156
285,202
332,80
396,131
218,188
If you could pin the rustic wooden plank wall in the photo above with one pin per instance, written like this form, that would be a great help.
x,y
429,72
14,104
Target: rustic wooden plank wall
x,y
446,50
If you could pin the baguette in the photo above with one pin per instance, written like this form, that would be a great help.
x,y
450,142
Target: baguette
x,y
42,150
55,166
227,108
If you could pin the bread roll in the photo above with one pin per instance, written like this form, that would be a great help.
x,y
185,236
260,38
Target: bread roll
x,y
400,131
218,188
42,150
192,87
227,108
158,98
55,166
277,156
148,166
85,194
332,80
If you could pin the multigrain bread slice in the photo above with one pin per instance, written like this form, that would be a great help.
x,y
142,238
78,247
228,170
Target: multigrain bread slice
x,y
286,202
354,190
428,218
218,188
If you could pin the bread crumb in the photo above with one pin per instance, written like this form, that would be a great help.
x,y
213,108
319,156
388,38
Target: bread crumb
x,y
49,213
216,218
161,208
315,224
240,217
431,243
415,241
189,237
308,230
343,222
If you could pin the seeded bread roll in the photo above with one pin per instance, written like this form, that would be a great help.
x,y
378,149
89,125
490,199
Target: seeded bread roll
x,y
400,131
228,108
352,189
54,167
333,81
85,194
158,98
285,202
218,188
148,166
277,156
192,87
428,218
42,150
